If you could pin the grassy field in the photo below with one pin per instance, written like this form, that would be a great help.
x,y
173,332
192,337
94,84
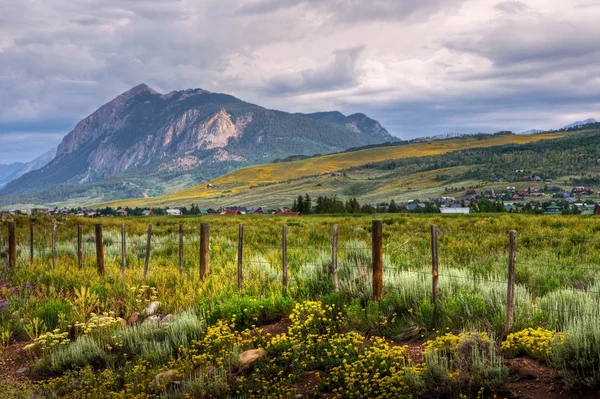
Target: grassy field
x,y
313,340
277,184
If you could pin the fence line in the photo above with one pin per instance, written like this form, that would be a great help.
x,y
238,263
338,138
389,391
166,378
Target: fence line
x,y
189,236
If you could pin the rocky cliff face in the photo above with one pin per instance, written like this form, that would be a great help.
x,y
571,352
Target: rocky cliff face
x,y
143,132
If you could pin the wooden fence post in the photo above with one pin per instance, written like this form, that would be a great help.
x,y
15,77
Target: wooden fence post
x,y
148,247
12,244
204,250
123,249
31,242
181,249
510,294
99,250
79,246
377,258
240,255
284,278
435,275
334,257
54,245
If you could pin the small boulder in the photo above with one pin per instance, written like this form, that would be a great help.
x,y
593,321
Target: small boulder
x,y
164,378
248,357
168,319
152,308
134,318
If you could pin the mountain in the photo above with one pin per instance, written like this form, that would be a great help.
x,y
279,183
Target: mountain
x,y
146,139
8,171
13,171
359,124
533,131
580,123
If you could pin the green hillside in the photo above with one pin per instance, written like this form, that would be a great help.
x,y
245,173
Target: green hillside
x,y
403,172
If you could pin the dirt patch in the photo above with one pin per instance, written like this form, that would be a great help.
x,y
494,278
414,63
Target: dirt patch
x,y
14,362
281,327
309,384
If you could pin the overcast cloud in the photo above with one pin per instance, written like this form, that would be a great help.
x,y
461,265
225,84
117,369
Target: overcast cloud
x,y
421,67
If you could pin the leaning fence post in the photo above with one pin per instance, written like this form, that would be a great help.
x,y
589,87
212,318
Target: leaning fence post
x,y
377,258
284,269
123,249
181,249
435,275
30,242
510,294
54,245
99,250
204,250
79,246
12,244
334,257
240,255
148,247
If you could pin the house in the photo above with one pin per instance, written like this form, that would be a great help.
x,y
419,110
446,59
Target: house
x,y
471,192
204,211
553,210
257,210
230,212
148,212
457,210
412,206
174,212
242,209
288,213
121,212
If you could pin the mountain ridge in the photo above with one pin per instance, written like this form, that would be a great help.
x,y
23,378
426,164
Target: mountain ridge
x,y
197,133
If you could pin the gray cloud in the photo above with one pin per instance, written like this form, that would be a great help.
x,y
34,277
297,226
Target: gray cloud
x,y
420,67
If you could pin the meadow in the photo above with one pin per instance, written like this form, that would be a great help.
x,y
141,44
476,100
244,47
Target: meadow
x,y
73,334
277,183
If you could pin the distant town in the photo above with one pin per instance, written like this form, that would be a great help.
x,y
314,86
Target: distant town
x,y
548,199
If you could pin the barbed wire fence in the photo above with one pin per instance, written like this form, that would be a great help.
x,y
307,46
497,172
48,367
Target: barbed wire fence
x,y
267,255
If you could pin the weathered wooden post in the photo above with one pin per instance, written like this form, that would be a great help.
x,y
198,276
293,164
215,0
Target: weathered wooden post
x,y
510,294
31,242
204,250
79,246
181,249
435,275
284,278
334,257
54,245
148,248
123,249
12,244
240,255
99,250
377,258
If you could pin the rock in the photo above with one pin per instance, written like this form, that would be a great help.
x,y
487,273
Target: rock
x,y
152,308
248,357
22,370
165,378
168,319
152,320
134,318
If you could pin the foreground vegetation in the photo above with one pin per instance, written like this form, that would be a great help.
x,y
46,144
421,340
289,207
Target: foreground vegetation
x,y
313,340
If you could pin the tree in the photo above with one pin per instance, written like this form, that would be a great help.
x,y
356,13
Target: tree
x,y
393,207
307,204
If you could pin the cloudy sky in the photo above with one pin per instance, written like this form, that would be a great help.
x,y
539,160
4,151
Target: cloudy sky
x,y
421,67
